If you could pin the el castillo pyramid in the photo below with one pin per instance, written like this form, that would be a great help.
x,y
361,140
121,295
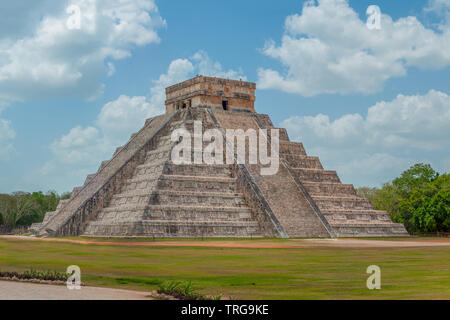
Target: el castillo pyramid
x,y
141,192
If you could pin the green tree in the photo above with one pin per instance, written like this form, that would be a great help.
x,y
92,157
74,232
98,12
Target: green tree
x,y
23,209
16,207
65,196
367,192
419,198
415,177
431,206
46,203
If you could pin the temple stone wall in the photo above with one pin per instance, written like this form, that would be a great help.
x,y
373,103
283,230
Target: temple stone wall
x,y
211,92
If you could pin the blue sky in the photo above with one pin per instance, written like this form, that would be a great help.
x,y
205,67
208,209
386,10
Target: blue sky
x,y
369,103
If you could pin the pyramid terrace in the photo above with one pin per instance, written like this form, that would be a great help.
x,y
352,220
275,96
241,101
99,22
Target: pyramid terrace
x,y
140,192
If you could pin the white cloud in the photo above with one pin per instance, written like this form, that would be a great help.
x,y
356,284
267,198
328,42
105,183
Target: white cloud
x,y
81,151
121,117
7,134
438,6
329,49
45,58
376,148
207,67
79,146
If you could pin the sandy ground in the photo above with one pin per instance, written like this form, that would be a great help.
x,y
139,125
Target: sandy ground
x,y
291,243
13,290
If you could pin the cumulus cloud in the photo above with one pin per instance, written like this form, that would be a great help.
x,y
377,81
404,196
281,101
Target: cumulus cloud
x,y
80,146
207,67
438,6
45,57
7,134
375,148
81,151
329,49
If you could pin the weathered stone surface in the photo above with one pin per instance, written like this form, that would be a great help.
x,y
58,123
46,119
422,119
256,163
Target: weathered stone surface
x,y
289,204
140,192
347,214
74,215
212,92
166,200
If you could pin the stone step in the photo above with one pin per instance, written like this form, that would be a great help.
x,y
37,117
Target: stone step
x,y
369,230
89,178
148,121
356,215
191,158
181,183
330,188
284,137
75,191
196,198
158,155
165,152
198,170
173,229
316,175
197,183
48,216
265,121
140,197
35,227
150,168
364,220
178,123
179,213
118,149
300,161
288,147
164,141
103,165
329,202
158,151
174,124
143,183
188,125
61,204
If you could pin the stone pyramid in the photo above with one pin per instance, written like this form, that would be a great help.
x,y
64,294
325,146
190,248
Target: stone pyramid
x,y
141,192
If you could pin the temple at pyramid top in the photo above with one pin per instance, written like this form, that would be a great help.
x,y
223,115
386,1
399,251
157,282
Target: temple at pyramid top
x,y
211,92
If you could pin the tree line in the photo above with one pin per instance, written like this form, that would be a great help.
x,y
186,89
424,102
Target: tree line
x,y
23,209
419,198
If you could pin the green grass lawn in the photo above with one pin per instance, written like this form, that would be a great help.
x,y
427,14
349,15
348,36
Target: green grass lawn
x,y
294,273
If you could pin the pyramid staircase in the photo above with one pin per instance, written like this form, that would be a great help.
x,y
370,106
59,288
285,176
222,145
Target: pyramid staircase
x,y
347,213
165,200
140,192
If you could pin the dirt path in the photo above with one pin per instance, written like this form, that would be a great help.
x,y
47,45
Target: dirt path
x,y
12,290
262,244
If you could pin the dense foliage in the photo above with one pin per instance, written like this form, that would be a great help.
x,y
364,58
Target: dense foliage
x,y
419,198
23,209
